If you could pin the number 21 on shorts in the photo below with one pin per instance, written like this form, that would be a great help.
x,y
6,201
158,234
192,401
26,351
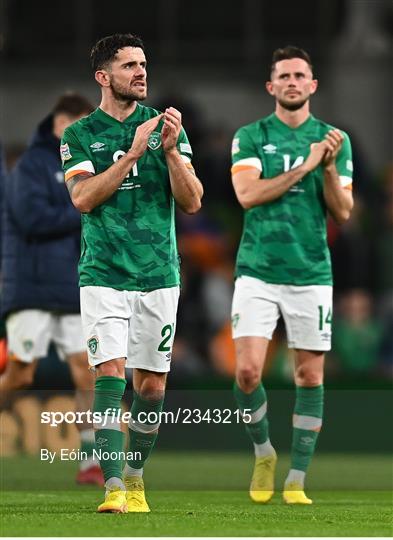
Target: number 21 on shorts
x,y
166,333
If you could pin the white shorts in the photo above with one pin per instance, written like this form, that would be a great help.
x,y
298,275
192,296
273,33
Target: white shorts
x,y
306,310
139,326
30,332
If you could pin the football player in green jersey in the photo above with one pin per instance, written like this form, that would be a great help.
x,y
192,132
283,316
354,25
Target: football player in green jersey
x,y
126,165
289,170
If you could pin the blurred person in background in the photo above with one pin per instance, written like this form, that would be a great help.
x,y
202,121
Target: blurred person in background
x,y
357,336
41,248
289,169
207,288
127,167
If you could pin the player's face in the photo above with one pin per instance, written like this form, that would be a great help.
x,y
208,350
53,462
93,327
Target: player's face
x,y
127,75
292,83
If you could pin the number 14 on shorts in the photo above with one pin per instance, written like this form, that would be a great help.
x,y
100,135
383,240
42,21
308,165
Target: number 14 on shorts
x,y
325,316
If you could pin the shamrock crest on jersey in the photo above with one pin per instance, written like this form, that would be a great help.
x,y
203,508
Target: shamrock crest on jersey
x,y
154,141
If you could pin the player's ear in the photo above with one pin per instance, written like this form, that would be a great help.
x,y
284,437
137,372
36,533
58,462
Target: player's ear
x,y
102,77
314,86
269,87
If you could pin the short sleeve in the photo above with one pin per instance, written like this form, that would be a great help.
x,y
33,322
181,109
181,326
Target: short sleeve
x,y
73,158
244,154
184,148
344,164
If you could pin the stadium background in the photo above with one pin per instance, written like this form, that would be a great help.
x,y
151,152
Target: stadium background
x,y
210,59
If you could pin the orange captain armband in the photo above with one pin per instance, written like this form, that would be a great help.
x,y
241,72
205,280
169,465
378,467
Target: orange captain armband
x,y
247,164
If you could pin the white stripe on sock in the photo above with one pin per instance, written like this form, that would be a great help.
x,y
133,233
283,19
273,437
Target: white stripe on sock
x,y
87,435
113,481
264,449
257,415
140,427
311,423
297,476
130,471
108,423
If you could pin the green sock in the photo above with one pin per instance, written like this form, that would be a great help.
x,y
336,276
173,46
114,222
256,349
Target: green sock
x,y
307,423
109,439
143,429
255,405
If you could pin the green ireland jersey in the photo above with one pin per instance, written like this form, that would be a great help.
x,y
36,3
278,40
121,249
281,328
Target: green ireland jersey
x,y
129,241
285,241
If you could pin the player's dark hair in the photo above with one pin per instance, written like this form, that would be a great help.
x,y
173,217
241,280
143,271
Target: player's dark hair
x,y
72,104
105,50
289,52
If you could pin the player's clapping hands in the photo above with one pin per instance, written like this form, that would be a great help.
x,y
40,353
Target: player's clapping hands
x,y
316,155
325,151
333,142
142,135
171,129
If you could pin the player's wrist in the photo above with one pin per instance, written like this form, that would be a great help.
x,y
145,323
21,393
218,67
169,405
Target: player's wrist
x,y
302,170
133,155
330,166
170,151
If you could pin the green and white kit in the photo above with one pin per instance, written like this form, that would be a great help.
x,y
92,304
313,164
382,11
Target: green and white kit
x,y
31,331
129,241
284,241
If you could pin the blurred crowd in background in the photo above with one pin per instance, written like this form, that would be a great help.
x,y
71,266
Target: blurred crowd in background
x,y
362,249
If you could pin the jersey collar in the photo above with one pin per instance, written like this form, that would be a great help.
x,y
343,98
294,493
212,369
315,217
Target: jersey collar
x,y
108,117
279,122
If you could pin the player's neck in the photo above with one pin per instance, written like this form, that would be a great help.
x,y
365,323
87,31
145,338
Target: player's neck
x,y
293,119
118,109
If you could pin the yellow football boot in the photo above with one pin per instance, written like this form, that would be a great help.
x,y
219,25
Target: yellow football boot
x,y
135,494
262,482
115,501
294,494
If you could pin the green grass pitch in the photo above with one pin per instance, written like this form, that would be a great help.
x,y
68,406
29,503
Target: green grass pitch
x,y
201,494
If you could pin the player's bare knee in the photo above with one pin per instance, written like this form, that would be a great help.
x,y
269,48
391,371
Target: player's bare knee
x,y
307,378
152,387
83,379
248,378
152,392
79,360
111,368
21,377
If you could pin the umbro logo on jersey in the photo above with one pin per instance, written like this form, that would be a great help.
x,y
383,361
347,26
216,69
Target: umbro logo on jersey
x,y
269,148
97,146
